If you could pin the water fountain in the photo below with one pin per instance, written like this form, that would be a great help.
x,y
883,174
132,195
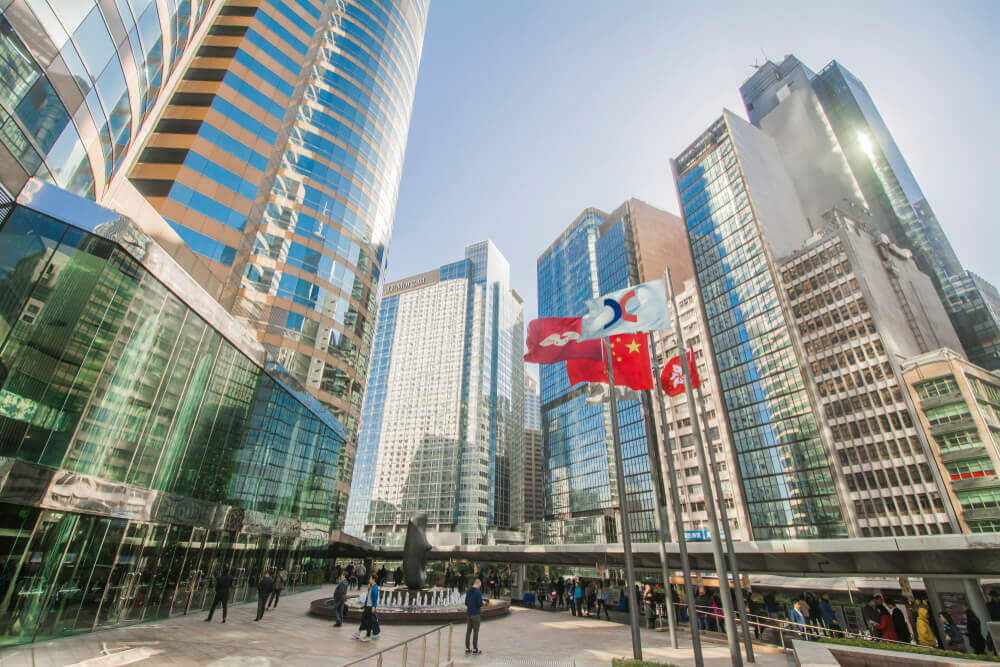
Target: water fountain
x,y
416,602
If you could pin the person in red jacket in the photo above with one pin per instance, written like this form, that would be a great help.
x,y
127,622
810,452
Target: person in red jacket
x,y
887,628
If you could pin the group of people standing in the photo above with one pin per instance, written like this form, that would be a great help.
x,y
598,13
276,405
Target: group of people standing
x,y
581,596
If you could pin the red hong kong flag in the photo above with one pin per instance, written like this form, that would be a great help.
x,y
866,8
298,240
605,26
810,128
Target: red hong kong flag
x,y
552,339
629,360
672,376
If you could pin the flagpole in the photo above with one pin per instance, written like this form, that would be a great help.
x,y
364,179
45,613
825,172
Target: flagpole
x,y
656,475
713,522
633,610
723,517
667,453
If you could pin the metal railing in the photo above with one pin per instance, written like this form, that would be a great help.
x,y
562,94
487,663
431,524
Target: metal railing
x,y
789,627
422,638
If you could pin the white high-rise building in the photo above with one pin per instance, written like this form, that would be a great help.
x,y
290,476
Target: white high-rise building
x,y
441,428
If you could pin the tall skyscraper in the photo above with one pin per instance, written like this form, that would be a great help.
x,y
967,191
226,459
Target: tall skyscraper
x,y
257,145
534,480
443,418
278,160
861,305
259,142
742,212
840,153
599,252
691,488
78,82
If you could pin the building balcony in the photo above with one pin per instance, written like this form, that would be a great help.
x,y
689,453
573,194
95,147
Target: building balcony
x,y
963,453
970,483
964,424
942,399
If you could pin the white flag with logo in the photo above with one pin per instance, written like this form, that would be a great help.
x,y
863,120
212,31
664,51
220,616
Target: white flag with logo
x,y
630,310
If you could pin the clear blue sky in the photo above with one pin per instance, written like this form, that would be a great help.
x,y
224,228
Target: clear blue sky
x,y
526,112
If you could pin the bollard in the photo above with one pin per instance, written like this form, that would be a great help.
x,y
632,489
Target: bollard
x,y
449,642
405,646
437,657
423,653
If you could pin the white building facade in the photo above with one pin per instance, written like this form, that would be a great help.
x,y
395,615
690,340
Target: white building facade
x,y
441,429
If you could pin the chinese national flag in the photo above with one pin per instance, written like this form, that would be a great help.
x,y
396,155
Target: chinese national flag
x,y
629,360
672,376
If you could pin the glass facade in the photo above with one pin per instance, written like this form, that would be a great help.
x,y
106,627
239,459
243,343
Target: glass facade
x,y
143,451
441,431
278,161
77,79
595,255
788,485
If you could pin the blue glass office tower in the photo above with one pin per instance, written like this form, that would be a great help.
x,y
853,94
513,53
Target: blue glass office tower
x,y
830,118
598,253
441,431
742,212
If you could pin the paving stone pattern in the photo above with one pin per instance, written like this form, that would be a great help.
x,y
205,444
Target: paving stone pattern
x,y
289,636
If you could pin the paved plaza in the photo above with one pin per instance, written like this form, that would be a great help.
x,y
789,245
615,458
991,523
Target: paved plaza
x,y
288,636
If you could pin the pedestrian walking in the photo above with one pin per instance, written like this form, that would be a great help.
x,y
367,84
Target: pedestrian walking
x,y
473,616
602,601
577,599
703,603
886,628
223,584
279,585
871,616
650,599
798,618
340,600
953,636
900,623
264,588
977,640
925,634
829,616
369,618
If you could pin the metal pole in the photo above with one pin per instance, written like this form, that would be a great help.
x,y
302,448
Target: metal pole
x,y
667,453
713,522
733,568
633,610
655,472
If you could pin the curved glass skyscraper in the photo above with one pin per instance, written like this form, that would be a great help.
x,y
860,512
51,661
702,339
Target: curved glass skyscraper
x,y
78,80
278,160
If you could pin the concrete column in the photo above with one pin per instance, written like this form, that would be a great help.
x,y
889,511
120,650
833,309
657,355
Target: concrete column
x,y
936,608
517,590
977,602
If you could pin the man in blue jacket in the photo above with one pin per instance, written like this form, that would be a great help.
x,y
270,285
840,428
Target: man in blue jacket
x,y
473,607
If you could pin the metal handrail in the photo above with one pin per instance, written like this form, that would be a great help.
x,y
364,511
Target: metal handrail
x,y
405,644
788,625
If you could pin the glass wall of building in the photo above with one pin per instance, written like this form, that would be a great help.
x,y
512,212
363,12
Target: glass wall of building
x,y
143,452
77,79
595,255
788,484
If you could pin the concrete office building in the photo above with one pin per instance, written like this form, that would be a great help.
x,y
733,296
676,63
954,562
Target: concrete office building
x,y
862,306
959,407
598,253
443,418
147,443
534,481
839,153
690,486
